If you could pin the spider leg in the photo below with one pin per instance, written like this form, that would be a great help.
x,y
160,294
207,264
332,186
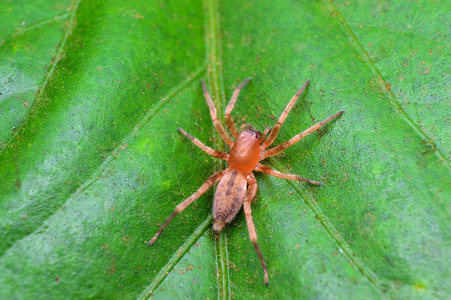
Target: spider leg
x,y
250,222
275,173
207,149
219,128
275,130
204,187
267,129
229,108
297,138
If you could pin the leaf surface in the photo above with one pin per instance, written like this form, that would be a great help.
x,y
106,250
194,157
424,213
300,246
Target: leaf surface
x,y
91,162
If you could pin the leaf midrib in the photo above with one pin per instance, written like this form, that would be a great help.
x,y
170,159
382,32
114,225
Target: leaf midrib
x,y
213,46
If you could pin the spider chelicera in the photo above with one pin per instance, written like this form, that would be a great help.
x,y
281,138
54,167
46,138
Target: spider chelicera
x,y
237,185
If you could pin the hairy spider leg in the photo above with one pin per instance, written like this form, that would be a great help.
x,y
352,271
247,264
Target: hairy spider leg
x,y
207,149
232,127
275,173
275,130
218,125
250,222
184,204
298,137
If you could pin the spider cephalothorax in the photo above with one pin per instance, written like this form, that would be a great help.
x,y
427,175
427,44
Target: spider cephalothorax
x,y
237,185
245,152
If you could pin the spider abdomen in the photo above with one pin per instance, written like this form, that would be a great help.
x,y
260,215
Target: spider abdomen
x,y
229,198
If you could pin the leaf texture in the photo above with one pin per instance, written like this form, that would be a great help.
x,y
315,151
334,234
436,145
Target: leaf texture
x,y
91,163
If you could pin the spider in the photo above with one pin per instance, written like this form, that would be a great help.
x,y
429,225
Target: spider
x,y
237,185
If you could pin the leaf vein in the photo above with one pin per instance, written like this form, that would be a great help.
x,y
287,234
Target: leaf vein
x,y
384,85
330,229
59,52
213,43
22,30
178,255
96,175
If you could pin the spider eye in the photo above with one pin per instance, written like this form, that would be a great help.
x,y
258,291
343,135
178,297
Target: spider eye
x,y
258,134
251,130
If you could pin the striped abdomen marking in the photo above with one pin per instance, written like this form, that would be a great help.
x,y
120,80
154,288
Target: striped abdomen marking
x,y
229,198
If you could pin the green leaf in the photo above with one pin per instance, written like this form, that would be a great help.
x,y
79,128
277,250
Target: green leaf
x,y
91,162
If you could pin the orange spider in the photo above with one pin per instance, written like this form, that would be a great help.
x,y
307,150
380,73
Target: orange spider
x,y
237,184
